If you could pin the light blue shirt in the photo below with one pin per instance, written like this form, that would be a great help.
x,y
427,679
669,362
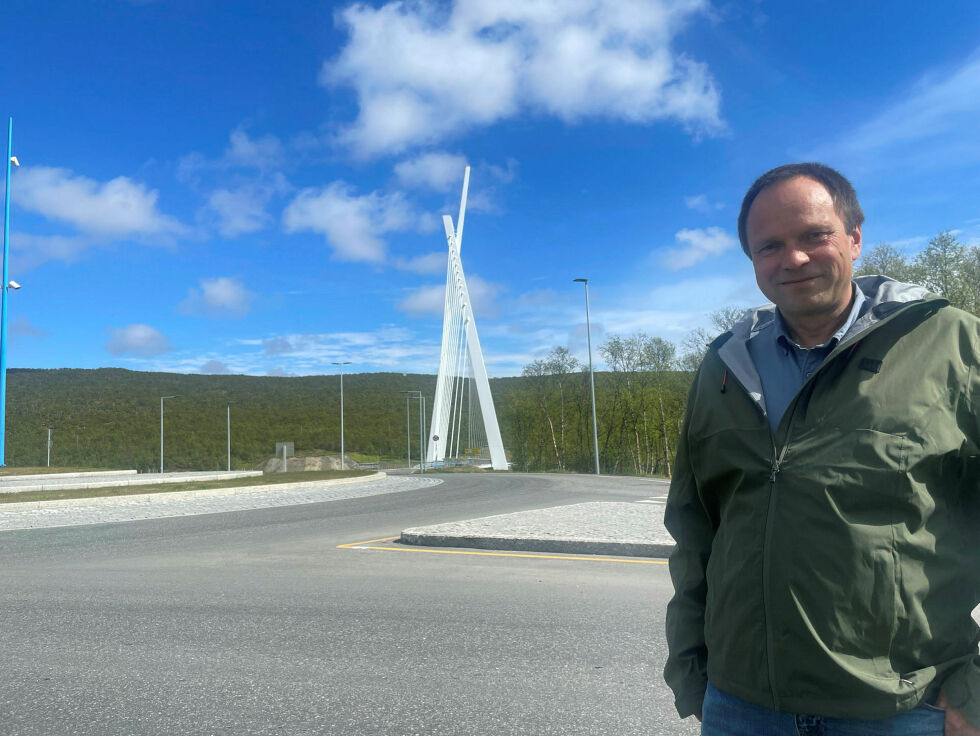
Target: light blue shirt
x,y
784,366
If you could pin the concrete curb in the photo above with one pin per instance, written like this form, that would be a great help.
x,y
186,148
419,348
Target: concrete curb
x,y
165,496
532,544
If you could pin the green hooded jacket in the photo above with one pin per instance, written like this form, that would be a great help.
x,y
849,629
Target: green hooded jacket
x,y
830,567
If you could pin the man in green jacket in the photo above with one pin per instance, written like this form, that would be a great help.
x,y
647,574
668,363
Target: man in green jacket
x,y
826,494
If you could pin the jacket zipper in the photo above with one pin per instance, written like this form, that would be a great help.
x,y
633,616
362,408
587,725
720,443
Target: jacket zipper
x,y
778,456
777,460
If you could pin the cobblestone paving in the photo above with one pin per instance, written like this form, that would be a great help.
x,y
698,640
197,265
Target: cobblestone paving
x,y
134,508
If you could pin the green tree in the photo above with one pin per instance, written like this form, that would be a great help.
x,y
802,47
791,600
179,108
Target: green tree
x,y
635,426
887,260
971,280
695,344
943,268
550,376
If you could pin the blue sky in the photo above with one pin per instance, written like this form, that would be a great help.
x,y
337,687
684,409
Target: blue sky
x,y
257,187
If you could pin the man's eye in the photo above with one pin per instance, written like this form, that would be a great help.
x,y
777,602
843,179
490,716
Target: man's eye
x,y
821,235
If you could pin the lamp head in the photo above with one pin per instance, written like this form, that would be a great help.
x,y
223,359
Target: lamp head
x,y
581,281
13,284
14,161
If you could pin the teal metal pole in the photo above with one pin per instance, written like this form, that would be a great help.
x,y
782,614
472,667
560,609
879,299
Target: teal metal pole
x,y
5,290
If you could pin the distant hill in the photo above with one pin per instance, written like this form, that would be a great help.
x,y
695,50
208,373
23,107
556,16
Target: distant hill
x,y
110,417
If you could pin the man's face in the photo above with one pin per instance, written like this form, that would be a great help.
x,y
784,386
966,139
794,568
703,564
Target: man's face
x,y
801,251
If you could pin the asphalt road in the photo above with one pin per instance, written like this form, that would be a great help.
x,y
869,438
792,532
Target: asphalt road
x,y
255,622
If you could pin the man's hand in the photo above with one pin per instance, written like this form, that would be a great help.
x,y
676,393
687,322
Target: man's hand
x,y
956,724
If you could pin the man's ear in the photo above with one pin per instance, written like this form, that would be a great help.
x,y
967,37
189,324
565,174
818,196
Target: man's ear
x,y
855,243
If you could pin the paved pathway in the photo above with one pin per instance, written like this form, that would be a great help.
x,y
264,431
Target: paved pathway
x,y
186,503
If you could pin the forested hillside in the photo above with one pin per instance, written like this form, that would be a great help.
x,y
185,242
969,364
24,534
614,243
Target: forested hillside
x,y
111,417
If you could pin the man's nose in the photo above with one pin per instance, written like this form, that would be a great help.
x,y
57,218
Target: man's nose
x,y
795,257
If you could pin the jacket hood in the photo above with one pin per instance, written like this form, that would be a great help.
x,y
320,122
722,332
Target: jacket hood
x,y
885,296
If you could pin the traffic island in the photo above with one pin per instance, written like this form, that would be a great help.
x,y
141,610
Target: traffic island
x,y
595,528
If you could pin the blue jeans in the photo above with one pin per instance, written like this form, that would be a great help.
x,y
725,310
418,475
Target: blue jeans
x,y
725,715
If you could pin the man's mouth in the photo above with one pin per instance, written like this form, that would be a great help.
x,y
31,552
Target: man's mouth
x,y
798,281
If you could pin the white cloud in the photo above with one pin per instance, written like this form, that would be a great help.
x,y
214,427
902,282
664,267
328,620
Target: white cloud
x,y
423,72
437,170
259,153
485,187
537,298
436,262
696,245
219,297
23,328
386,348
353,224
912,245
701,203
930,124
430,300
28,251
277,346
935,107
504,174
138,339
118,208
239,184
240,211
425,300
215,367
242,152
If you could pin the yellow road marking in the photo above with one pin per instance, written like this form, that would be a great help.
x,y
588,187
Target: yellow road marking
x,y
365,545
370,541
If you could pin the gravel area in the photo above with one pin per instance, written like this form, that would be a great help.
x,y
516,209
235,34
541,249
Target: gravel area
x,y
73,512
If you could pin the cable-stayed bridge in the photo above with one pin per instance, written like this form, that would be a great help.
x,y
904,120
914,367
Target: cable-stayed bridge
x,y
464,422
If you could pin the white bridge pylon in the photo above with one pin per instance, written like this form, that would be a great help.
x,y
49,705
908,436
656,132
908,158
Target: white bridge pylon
x,y
461,363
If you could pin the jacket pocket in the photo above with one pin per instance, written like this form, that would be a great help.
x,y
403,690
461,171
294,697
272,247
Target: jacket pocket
x,y
864,476
837,574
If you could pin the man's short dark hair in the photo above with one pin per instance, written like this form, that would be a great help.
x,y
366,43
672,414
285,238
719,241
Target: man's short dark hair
x,y
840,190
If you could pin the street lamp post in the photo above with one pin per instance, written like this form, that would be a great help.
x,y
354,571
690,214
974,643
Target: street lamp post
x,y
408,429
229,438
7,285
161,428
342,364
418,394
49,446
588,330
